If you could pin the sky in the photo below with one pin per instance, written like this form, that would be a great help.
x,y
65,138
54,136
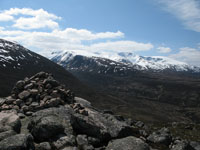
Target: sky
x,y
168,28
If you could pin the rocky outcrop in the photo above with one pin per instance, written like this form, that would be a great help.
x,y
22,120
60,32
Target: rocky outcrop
x,y
42,114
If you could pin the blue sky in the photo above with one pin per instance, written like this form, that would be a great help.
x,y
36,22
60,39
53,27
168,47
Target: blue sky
x,y
146,27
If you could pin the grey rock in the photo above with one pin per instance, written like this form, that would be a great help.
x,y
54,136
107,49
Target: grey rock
x,y
2,101
94,142
195,145
4,128
34,104
19,102
128,143
54,102
181,145
40,75
162,137
48,123
6,134
10,119
28,101
139,124
43,146
70,148
64,141
82,101
29,113
9,100
81,140
34,91
28,86
20,84
17,142
25,108
24,95
21,115
52,82
102,126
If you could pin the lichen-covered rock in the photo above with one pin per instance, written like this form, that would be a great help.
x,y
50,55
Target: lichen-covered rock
x,y
64,141
160,137
102,126
43,146
10,119
181,145
7,134
128,143
48,123
195,145
17,142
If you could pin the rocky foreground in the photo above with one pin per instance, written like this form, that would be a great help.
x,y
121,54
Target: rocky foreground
x,y
41,114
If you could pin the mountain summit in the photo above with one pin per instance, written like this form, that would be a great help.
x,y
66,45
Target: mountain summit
x,y
130,60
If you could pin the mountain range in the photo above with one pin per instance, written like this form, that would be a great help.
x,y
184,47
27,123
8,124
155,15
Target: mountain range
x,y
112,83
124,61
148,85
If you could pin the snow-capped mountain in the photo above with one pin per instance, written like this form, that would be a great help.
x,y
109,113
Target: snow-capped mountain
x,y
124,60
17,62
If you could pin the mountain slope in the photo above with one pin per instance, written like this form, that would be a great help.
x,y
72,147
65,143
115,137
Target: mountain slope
x,y
162,95
154,63
17,62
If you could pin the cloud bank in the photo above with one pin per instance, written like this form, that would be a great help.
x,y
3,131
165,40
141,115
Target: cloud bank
x,y
26,29
188,55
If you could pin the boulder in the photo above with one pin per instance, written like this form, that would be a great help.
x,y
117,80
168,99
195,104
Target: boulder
x,y
9,100
10,119
94,142
20,85
128,143
64,142
43,146
48,123
70,148
195,145
102,126
181,145
2,101
7,134
82,141
160,137
82,101
24,94
52,82
17,142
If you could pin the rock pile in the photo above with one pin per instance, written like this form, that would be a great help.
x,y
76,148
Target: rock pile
x,y
36,93
41,114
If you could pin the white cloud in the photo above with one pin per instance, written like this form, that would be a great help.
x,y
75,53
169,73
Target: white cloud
x,y
34,18
164,49
1,28
83,34
189,55
5,17
120,46
58,39
188,11
72,39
